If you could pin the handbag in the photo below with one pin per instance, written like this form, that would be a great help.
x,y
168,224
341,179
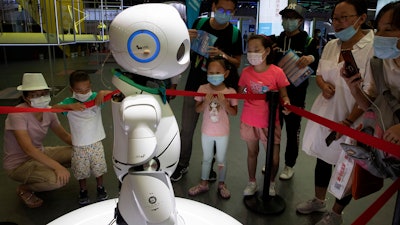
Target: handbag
x,y
377,162
364,183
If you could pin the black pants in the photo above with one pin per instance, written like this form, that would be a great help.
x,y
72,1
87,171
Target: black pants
x,y
323,171
297,96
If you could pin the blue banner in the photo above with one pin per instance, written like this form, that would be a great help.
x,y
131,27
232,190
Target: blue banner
x,y
192,11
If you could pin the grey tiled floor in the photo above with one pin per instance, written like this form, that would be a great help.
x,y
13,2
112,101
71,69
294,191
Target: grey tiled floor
x,y
64,200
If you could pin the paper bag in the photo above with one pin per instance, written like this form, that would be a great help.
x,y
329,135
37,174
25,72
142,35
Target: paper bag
x,y
341,179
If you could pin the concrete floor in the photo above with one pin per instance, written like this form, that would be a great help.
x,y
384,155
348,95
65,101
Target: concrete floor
x,y
64,200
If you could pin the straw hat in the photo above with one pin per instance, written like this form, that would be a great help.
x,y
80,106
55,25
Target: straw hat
x,y
33,82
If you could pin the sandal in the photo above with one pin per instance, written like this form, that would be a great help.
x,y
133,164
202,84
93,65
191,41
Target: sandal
x,y
223,191
29,198
198,189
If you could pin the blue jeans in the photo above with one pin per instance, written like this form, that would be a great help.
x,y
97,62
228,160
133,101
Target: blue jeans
x,y
221,144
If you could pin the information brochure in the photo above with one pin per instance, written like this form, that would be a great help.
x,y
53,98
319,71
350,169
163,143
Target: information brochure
x,y
201,43
295,75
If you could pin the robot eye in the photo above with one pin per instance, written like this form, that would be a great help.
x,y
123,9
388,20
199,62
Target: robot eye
x,y
180,53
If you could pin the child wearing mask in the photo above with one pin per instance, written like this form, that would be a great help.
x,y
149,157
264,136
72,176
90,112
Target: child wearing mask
x,y
215,126
258,78
87,132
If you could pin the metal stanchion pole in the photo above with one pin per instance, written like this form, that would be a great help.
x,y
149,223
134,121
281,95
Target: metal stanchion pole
x,y
396,215
263,203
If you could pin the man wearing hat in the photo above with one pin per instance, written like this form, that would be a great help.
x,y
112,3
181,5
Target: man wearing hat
x,y
306,48
26,160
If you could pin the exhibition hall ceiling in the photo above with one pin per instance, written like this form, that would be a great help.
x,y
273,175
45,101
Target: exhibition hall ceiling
x,y
324,8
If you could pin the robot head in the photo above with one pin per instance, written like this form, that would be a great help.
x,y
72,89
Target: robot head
x,y
150,40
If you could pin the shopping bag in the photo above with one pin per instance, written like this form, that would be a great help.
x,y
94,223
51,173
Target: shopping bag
x,y
383,114
341,179
364,183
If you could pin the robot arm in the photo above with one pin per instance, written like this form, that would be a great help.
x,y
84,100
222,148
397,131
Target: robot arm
x,y
146,150
140,116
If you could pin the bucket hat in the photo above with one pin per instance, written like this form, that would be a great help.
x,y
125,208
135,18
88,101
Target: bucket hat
x,y
294,7
33,82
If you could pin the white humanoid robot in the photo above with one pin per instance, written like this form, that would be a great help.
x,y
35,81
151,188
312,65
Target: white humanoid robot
x,y
150,40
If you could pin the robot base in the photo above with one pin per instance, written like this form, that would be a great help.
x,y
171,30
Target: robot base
x,y
189,213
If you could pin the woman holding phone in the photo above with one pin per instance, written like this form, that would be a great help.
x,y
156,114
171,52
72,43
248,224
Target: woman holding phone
x,y
335,101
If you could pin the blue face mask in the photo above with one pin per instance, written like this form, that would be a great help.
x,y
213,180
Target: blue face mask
x,y
221,17
215,79
346,34
386,47
290,25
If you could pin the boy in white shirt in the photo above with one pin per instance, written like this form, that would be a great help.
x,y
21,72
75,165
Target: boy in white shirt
x,y
87,131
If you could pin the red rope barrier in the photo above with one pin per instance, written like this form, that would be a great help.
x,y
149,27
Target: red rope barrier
x,y
377,205
236,96
12,109
358,135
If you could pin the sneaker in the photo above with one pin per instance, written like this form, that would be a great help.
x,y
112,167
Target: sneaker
x,y
331,218
198,189
287,173
313,205
83,197
272,191
101,193
213,176
178,173
250,189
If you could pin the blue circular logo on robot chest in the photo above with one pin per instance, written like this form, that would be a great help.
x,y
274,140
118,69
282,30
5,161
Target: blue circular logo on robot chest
x,y
143,46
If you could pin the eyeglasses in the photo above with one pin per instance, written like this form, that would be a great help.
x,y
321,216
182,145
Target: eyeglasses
x,y
226,11
37,94
340,19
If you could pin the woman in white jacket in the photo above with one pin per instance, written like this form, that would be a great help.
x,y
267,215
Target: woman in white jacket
x,y
335,101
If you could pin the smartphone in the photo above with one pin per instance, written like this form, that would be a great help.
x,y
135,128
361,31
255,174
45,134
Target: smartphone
x,y
331,137
349,63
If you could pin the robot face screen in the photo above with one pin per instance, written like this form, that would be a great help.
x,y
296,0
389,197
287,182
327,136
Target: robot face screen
x,y
151,40
143,46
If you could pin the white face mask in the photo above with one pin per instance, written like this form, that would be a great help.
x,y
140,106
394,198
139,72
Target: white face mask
x,y
348,33
255,58
40,102
82,97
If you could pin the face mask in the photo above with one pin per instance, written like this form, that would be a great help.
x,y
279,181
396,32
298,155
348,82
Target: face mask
x,y
82,97
41,102
215,79
346,34
290,25
222,18
386,47
255,58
